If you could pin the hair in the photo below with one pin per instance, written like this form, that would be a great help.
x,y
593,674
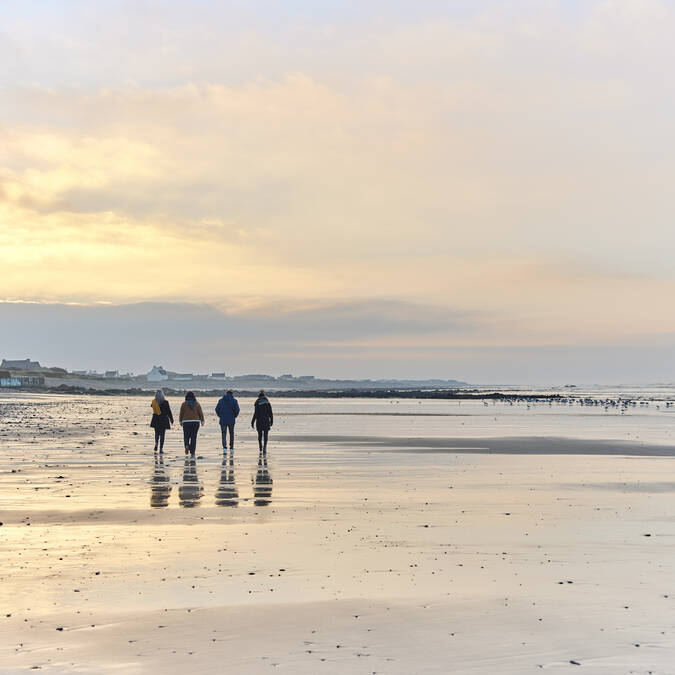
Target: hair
x,y
262,393
191,399
190,394
229,391
159,396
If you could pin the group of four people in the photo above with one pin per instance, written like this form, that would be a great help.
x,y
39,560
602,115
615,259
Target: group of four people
x,y
191,418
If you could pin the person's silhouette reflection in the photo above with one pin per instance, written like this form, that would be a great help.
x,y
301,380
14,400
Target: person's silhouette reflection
x,y
262,484
160,485
227,494
190,490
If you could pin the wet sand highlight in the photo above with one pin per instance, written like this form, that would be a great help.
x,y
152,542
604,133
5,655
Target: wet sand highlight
x,y
516,445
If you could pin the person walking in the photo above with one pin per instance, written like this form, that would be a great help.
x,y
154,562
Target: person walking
x,y
227,410
263,418
162,419
190,417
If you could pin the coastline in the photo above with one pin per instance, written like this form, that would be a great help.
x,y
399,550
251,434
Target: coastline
x,y
433,394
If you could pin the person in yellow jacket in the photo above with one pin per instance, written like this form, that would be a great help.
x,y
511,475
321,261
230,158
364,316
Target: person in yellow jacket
x,y
190,418
162,419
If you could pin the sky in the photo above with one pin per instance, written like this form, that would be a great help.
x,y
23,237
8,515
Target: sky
x,y
473,190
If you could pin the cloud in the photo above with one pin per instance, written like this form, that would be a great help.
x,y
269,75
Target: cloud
x,y
199,336
506,161
353,340
302,322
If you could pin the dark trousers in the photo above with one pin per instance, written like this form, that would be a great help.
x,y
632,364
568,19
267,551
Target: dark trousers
x,y
190,430
262,438
159,437
223,429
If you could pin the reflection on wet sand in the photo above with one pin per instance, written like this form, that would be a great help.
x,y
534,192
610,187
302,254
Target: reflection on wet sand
x,y
190,490
227,493
160,485
262,484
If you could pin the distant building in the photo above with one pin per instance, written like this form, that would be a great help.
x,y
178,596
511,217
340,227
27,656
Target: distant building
x,y
22,364
257,377
286,376
157,374
183,377
32,380
78,372
9,380
112,374
217,376
306,378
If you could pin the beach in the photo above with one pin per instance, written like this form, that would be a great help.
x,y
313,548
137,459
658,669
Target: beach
x,y
438,236
377,537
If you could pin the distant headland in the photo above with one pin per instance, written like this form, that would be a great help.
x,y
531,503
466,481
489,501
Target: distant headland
x,y
29,374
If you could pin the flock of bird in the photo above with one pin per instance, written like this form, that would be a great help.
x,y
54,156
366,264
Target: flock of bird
x,y
608,404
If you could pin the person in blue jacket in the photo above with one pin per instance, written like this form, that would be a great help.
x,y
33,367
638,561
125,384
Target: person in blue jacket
x,y
228,411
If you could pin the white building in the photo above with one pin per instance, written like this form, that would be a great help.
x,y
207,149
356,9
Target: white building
x,y
157,374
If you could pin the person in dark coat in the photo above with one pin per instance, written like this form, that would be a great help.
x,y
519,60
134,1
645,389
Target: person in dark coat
x,y
162,419
263,419
227,411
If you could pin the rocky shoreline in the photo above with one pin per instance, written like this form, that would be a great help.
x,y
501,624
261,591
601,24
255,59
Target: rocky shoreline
x,y
448,394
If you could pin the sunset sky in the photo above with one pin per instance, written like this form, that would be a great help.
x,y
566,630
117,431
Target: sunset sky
x,y
471,189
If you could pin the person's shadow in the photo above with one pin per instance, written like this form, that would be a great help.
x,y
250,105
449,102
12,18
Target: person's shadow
x,y
160,484
227,493
262,483
190,490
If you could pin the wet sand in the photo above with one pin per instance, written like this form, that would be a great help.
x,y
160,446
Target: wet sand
x,y
399,553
